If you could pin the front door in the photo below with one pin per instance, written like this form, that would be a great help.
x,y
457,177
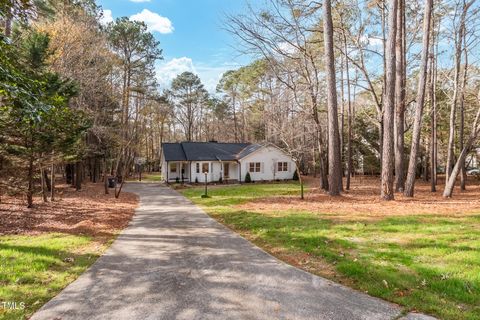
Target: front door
x,y
226,170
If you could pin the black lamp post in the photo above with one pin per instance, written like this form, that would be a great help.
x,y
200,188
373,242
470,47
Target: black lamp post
x,y
205,195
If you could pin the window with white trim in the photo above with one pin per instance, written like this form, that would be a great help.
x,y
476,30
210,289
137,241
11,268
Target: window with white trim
x,y
282,166
173,167
254,167
205,167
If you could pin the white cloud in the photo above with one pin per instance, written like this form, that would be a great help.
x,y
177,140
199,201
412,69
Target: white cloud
x,y
106,17
167,71
154,21
210,75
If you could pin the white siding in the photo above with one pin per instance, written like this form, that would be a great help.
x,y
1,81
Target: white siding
x,y
200,177
215,171
268,157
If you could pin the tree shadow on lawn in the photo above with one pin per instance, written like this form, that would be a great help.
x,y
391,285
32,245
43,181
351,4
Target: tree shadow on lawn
x,y
394,271
186,274
34,274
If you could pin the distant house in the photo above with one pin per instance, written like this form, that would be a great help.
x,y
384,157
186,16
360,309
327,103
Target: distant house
x,y
189,161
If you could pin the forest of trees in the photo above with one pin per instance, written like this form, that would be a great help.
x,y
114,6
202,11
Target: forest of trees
x,y
389,88
77,97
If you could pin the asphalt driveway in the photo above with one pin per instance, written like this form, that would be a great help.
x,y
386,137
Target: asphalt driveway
x,y
175,262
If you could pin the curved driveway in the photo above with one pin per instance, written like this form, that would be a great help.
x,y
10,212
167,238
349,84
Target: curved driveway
x,y
175,262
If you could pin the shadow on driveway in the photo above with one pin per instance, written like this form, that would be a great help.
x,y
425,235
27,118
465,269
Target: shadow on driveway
x,y
175,262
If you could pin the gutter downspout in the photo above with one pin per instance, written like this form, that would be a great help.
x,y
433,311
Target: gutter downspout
x,y
239,171
221,168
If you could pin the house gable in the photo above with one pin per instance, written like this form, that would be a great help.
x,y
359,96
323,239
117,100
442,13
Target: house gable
x,y
263,164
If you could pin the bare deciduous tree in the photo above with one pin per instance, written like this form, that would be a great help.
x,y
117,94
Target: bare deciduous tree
x,y
417,126
389,109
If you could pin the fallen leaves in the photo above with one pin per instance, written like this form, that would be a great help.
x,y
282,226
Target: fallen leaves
x,y
362,203
88,212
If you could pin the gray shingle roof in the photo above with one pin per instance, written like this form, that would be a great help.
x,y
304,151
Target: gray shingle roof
x,y
173,152
207,151
249,149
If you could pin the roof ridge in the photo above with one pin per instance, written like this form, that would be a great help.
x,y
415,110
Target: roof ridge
x,y
183,150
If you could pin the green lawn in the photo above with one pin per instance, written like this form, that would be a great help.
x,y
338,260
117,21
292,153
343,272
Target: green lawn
x,y
33,269
424,262
152,177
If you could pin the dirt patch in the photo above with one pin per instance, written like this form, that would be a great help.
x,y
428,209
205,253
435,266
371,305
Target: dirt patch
x,y
88,211
362,201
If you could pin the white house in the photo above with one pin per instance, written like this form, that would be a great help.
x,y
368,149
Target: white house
x,y
189,161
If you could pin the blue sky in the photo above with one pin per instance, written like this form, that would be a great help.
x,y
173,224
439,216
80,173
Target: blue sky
x,y
190,34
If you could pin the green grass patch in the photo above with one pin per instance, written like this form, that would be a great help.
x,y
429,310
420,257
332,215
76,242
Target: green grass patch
x,y
424,262
238,194
33,269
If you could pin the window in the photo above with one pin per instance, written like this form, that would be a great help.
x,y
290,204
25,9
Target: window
x,y
198,167
282,166
254,166
173,167
205,167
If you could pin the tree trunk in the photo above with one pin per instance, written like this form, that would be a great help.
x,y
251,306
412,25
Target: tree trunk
x,y
450,184
30,182
334,163
417,125
69,173
349,120
235,124
48,183
124,175
400,102
463,170
342,114
322,161
389,107
433,116
105,175
42,180
78,175
456,80
52,174
300,179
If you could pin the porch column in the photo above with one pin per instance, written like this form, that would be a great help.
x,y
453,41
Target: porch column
x,y
239,171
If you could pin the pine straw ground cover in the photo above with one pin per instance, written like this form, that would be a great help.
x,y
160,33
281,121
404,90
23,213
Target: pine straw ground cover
x,y
422,253
45,248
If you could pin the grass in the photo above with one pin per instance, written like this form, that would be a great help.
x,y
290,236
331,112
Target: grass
x,y
238,194
147,176
33,269
152,177
426,263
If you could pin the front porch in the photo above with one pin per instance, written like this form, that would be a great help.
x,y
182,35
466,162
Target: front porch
x,y
177,171
194,171
216,171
